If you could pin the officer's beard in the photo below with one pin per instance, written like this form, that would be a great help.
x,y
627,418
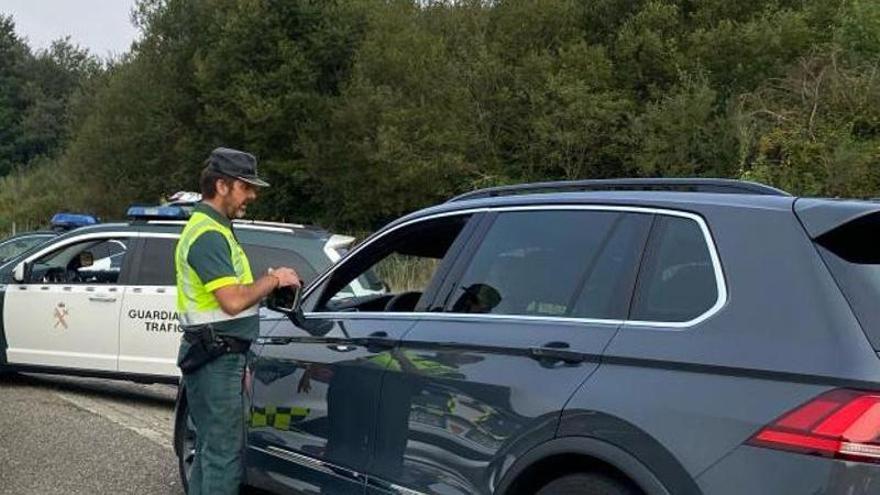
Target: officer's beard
x,y
239,212
234,211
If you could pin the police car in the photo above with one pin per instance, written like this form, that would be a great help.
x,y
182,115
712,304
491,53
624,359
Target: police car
x,y
100,300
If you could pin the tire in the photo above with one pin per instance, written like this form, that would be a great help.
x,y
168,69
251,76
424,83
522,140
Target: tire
x,y
184,444
588,484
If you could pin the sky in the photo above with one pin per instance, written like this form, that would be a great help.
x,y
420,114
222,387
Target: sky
x,y
102,26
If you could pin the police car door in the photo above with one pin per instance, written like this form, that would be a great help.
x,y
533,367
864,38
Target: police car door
x,y
65,313
149,333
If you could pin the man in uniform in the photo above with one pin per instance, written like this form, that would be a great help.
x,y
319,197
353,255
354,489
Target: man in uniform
x,y
218,299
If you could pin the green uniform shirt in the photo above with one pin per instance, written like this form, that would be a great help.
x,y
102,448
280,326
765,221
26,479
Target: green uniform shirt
x,y
211,258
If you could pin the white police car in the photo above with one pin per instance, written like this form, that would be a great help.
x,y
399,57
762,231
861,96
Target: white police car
x,y
100,300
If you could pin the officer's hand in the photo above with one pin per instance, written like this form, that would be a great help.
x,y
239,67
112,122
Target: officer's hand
x,y
287,277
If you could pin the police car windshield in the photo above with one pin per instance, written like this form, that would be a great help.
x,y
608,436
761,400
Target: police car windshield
x,y
15,247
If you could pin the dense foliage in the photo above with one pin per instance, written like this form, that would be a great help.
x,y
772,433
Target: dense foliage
x,y
361,110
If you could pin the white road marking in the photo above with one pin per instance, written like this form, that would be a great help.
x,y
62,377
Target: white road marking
x,y
154,424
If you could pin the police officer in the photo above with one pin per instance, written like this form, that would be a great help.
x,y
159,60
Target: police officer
x,y
218,299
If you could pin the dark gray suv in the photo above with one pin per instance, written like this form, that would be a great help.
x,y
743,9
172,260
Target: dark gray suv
x,y
595,337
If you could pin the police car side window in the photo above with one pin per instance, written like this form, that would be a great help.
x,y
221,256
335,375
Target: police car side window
x,y
93,262
157,262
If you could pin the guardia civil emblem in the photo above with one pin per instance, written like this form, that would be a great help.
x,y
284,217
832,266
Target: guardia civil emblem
x,y
61,313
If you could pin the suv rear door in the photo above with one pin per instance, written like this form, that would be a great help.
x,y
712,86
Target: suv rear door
x,y
483,376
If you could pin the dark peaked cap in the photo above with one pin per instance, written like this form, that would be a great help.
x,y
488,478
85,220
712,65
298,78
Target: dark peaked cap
x,y
237,164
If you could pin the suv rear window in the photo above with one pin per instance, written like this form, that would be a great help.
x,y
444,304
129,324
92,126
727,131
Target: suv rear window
x,y
851,253
677,280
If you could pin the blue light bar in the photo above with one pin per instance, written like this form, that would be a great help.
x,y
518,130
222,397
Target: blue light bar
x,y
69,221
158,213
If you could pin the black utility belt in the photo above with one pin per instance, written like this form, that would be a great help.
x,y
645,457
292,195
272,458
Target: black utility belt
x,y
206,345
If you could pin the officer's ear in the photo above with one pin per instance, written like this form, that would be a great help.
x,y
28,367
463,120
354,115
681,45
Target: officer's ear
x,y
223,186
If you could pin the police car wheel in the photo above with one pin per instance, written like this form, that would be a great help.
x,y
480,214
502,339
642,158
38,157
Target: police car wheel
x,y
186,447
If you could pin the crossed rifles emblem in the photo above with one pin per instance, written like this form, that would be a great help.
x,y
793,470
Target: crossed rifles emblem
x,y
61,313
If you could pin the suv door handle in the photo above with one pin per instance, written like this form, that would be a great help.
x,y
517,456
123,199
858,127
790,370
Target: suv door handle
x,y
557,351
102,299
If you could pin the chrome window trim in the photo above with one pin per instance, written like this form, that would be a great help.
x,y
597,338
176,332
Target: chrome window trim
x,y
262,223
366,315
131,234
720,302
158,235
166,222
287,228
73,240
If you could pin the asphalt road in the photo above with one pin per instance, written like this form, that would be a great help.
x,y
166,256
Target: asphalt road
x,y
62,435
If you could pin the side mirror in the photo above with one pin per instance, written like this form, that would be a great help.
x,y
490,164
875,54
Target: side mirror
x,y
20,272
285,300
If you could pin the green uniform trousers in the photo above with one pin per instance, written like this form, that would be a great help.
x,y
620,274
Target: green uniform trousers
x,y
214,395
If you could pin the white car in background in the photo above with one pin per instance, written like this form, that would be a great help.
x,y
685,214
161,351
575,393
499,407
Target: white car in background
x,y
100,300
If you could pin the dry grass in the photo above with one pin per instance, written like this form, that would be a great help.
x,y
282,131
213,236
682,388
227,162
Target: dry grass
x,y
406,273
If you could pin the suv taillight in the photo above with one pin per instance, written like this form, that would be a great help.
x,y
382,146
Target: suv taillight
x,y
843,424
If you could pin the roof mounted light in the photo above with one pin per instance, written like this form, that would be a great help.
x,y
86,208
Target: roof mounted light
x,y
70,221
170,212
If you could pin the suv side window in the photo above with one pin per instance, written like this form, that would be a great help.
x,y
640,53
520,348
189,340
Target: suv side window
x,y
405,262
95,261
677,281
157,262
556,263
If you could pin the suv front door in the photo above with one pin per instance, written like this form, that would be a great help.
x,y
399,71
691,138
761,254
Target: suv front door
x,y
66,313
538,298
315,387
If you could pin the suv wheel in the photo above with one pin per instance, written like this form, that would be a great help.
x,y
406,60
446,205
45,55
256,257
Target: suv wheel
x,y
185,439
587,484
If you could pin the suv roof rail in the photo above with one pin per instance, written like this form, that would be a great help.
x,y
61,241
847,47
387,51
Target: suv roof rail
x,y
729,186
